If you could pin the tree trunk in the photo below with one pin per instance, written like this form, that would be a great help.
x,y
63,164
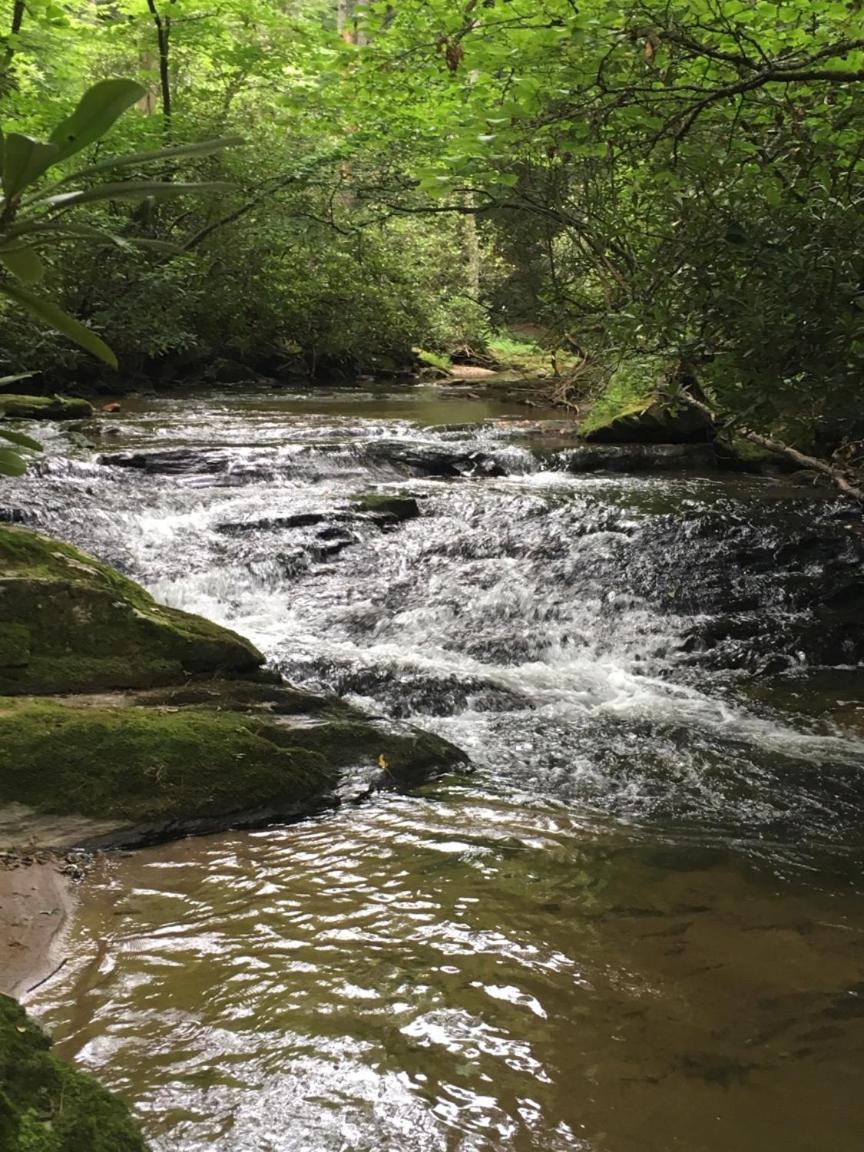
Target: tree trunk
x,y
163,41
347,23
471,248
18,11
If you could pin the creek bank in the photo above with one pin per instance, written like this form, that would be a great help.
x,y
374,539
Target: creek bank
x,y
47,1105
15,407
36,904
149,767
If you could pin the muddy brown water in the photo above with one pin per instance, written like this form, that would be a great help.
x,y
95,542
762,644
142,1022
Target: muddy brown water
x,y
638,926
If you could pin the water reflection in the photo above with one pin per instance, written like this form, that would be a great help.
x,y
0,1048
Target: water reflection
x,y
462,973
642,927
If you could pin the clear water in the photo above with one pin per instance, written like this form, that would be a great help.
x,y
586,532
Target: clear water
x,y
638,925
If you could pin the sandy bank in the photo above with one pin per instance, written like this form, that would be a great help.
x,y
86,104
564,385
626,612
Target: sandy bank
x,y
36,903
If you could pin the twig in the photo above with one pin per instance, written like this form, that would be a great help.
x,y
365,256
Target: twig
x,y
771,445
39,983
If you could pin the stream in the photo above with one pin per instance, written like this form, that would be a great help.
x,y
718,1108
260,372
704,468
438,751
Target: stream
x,y
636,926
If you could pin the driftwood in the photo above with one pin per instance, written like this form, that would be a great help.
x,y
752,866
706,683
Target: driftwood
x,y
837,477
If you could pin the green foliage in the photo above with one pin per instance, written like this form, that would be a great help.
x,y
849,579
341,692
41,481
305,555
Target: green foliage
x,y
635,179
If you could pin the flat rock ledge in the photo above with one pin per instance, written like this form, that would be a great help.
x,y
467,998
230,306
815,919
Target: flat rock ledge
x,y
125,769
124,722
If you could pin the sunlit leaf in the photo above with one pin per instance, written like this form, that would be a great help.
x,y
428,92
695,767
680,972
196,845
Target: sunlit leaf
x,y
97,110
135,159
24,160
20,439
133,190
11,464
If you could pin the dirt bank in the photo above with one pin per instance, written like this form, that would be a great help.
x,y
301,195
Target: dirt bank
x,y
36,903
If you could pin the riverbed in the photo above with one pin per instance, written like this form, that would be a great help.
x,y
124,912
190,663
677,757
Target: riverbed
x,y
636,926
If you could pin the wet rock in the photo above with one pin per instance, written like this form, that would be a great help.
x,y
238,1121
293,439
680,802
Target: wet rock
x,y
635,457
387,507
70,623
657,424
223,370
172,461
277,523
408,693
159,766
637,407
436,460
45,408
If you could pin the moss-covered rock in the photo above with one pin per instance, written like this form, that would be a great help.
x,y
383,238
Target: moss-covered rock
x,y
638,406
45,408
159,770
47,1105
69,623
390,507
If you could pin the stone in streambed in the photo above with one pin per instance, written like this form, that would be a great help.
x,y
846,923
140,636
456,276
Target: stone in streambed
x,y
209,743
45,408
392,508
642,404
69,623
154,766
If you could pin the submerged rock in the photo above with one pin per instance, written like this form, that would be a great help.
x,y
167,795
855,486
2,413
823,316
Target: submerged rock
x,y
432,460
153,766
47,1105
69,623
45,408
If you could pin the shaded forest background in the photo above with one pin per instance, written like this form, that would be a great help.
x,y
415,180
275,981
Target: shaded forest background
x,y
591,184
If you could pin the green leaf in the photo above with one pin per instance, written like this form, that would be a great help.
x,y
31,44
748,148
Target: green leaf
x,y
133,190
21,440
99,107
133,159
48,312
64,231
19,376
24,263
24,160
11,464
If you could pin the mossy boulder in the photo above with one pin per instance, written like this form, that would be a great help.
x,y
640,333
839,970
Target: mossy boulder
x,y
158,765
641,404
388,507
47,1105
45,408
69,623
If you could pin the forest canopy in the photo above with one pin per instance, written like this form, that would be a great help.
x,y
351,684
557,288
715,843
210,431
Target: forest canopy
x,y
617,180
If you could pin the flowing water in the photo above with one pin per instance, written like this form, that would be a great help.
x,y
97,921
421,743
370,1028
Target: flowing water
x,y
637,926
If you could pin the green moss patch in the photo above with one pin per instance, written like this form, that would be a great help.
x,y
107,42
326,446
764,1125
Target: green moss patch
x,y
47,1105
45,408
140,765
69,623
639,405
161,771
